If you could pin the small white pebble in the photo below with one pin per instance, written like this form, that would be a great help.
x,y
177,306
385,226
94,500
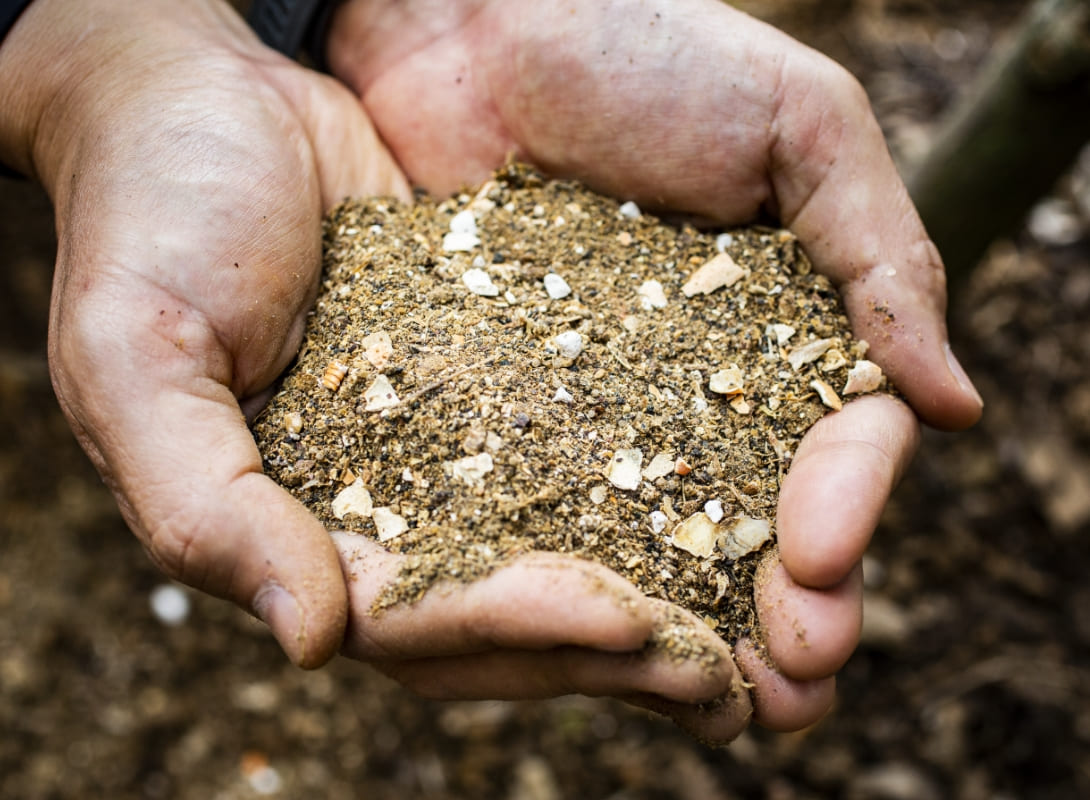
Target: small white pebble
x,y
509,296
652,295
169,604
407,475
460,242
629,210
569,344
624,469
472,469
556,287
376,230
598,494
353,499
658,521
780,332
479,262
464,222
563,396
265,780
714,510
479,282
388,524
723,241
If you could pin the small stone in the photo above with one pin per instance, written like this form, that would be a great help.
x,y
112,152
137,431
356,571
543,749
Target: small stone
x,y
474,441
460,242
472,469
697,535
780,332
714,510
598,494
479,282
293,422
388,524
723,241
353,499
745,536
624,238
624,469
377,349
681,467
661,466
827,394
563,396
569,344
739,405
833,359
658,521
556,287
651,295
380,395
719,272
464,222
729,381
169,603
811,351
864,376
629,210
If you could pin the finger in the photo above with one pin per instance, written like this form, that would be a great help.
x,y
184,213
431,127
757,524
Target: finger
x,y
809,633
187,476
539,601
780,703
716,722
839,481
835,186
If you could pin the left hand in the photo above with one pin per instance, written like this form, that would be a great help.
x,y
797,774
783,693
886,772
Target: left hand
x,y
694,107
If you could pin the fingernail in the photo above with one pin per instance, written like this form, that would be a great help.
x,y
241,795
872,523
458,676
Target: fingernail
x,y
278,608
961,376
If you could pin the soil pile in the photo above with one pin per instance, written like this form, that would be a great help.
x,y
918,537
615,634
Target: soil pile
x,y
536,367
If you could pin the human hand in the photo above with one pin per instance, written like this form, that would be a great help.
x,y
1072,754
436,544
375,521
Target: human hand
x,y
189,167
694,107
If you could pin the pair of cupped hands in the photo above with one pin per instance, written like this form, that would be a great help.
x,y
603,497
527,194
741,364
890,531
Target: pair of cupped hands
x,y
189,168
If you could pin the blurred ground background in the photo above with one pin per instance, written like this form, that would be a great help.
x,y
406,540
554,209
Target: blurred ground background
x,y
972,681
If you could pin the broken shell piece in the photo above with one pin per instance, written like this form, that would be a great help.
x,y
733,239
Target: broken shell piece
x,y
598,494
697,535
377,348
624,468
293,422
727,381
353,499
472,469
660,466
333,375
658,521
479,282
745,536
460,242
629,210
569,344
827,394
811,351
681,467
464,222
651,295
563,396
388,524
865,376
380,395
717,273
780,332
723,241
739,405
714,510
556,287
833,359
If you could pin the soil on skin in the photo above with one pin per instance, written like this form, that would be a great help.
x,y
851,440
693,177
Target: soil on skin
x,y
478,425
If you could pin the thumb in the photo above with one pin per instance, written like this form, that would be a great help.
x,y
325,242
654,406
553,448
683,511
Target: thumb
x,y
838,189
173,446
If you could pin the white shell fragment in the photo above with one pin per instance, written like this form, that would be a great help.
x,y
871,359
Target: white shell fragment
x,y
827,394
780,332
556,287
353,499
293,422
739,405
651,295
460,242
723,241
660,466
598,494
377,349
658,521
865,376
563,396
729,381
697,535
569,344
717,273
624,469
388,524
472,469
629,210
714,510
811,351
464,222
380,395
479,282
745,536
